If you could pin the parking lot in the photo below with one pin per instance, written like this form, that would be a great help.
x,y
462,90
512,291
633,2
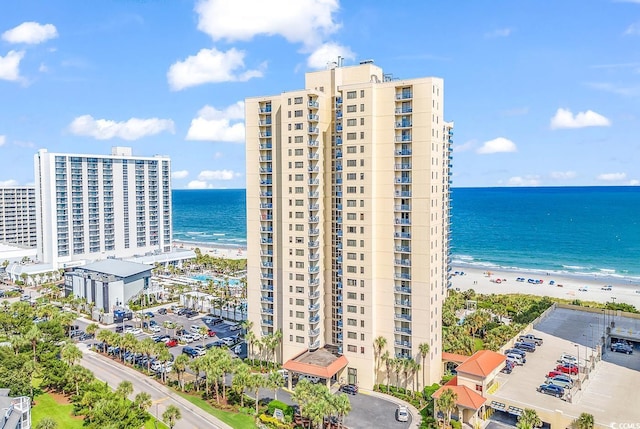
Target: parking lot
x,y
608,392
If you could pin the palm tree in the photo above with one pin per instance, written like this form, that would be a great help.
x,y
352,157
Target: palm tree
x,y
164,356
275,381
179,367
33,335
147,346
256,382
196,365
302,395
241,379
91,328
424,349
171,415
529,420
124,389
414,367
388,361
143,401
378,346
250,338
397,368
585,421
447,403
341,405
70,353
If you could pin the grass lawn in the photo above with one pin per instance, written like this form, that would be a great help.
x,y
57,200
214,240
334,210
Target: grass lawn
x,y
47,406
239,421
479,344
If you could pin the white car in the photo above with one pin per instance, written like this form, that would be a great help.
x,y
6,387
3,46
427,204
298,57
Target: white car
x,y
136,331
186,338
402,414
196,336
567,358
312,378
235,327
228,341
195,328
155,328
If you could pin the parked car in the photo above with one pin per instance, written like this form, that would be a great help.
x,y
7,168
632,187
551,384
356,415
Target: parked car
x,y
190,351
211,333
351,389
551,389
235,327
185,338
312,378
216,320
621,348
228,341
195,328
567,358
526,346
554,373
530,338
563,380
155,328
516,359
568,368
196,336
217,343
119,329
162,338
517,352
607,287
402,413
162,311
284,373
200,350
149,314
508,367
172,342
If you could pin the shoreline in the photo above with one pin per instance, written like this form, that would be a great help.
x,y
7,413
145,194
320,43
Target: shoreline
x,y
213,249
582,287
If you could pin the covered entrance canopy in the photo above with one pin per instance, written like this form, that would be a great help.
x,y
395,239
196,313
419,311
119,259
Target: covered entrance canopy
x,y
320,363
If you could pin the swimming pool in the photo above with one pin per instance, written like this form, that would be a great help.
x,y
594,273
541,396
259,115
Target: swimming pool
x,y
216,280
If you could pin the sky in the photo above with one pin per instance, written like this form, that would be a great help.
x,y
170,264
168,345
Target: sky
x,y
542,93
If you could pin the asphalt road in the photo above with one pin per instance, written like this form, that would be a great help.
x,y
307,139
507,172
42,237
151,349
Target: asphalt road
x,y
113,373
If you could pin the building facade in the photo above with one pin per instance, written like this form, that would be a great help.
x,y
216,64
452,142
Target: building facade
x,y
18,216
93,207
348,218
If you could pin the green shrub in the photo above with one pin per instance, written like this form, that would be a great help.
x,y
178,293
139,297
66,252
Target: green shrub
x,y
272,422
287,410
455,424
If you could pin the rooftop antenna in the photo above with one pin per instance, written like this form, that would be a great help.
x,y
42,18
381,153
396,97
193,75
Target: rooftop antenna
x,y
340,61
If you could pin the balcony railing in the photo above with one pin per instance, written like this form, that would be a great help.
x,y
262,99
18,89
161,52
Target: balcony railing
x,y
266,109
314,231
266,276
314,219
402,276
266,205
314,104
314,118
314,156
265,310
314,295
265,146
264,123
403,124
314,181
403,249
314,282
402,235
403,344
314,319
314,332
338,141
403,208
402,330
313,244
266,288
402,110
403,179
404,95
400,221
314,269
266,240
403,193
265,135
402,166
403,303
268,299
267,322
313,143
403,138
313,130
314,307
314,345
401,316
314,207
403,262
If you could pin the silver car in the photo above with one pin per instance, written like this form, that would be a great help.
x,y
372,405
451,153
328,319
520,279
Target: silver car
x,y
402,414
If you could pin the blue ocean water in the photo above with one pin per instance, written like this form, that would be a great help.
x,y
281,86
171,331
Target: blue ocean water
x,y
573,230
210,216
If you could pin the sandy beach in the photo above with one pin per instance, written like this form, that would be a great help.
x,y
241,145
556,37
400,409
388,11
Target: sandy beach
x,y
227,252
479,280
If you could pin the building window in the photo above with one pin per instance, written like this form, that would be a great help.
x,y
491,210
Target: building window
x,y
299,314
299,164
352,149
299,327
300,252
300,277
300,215
351,269
299,190
362,93
352,322
352,309
298,139
297,100
351,243
299,301
299,339
352,256
299,177
352,136
351,95
299,289
352,335
351,163
299,152
351,176
352,295
362,107
351,216
299,203
351,189
361,122
297,114
299,264
352,122
298,126
351,108
351,203
352,349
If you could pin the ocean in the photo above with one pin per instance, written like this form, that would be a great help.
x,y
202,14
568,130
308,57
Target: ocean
x,y
592,231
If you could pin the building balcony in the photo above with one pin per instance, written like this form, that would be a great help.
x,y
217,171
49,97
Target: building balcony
x,y
265,310
339,285
313,130
266,109
266,205
314,156
403,262
403,344
314,231
314,345
314,194
266,194
313,244
339,114
266,182
264,123
403,179
405,95
266,170
268,276
266,217
338,128
403,152
313,118
338,141
266,135
266,288
266,229
338,101
314,332
403,194
314,270
267,322
402,208
314,182
401,221
403,138
313,104
266,240
400,316
314,319
314,219
265,158
338,298
403,249
402,167
266,299
406,235
403,124
339,336
314,295
400,330
265,264
402,276
338,167
403,303
314,282
314,169
339,324
401,110
265,146
314,307
314,207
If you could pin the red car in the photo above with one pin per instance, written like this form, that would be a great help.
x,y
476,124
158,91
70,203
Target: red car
x,y
171,343
568,368
211,333
554,373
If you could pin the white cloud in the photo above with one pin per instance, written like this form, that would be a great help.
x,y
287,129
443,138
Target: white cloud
x,y
10,182
217,175
497,145
180,174
31,33
132,129
634,182
563,175
524,181
611,177
327,52
3,140
43,68
210,66
468,145
500,32
212,124
298,21
10,65
565,119
633,29
198,184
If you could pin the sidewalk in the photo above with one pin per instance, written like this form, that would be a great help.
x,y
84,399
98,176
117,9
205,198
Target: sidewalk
x,y
416,417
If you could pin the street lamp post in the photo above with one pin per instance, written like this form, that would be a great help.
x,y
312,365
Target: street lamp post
x,y
578,348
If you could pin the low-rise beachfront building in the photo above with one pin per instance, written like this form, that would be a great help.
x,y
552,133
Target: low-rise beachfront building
x,y
108,284
18,215
16,411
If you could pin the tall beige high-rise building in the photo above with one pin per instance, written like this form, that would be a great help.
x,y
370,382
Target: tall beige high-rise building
x,y
348,222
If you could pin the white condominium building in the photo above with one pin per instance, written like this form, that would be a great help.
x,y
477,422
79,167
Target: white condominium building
x,y
348,222
93,207
18,215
